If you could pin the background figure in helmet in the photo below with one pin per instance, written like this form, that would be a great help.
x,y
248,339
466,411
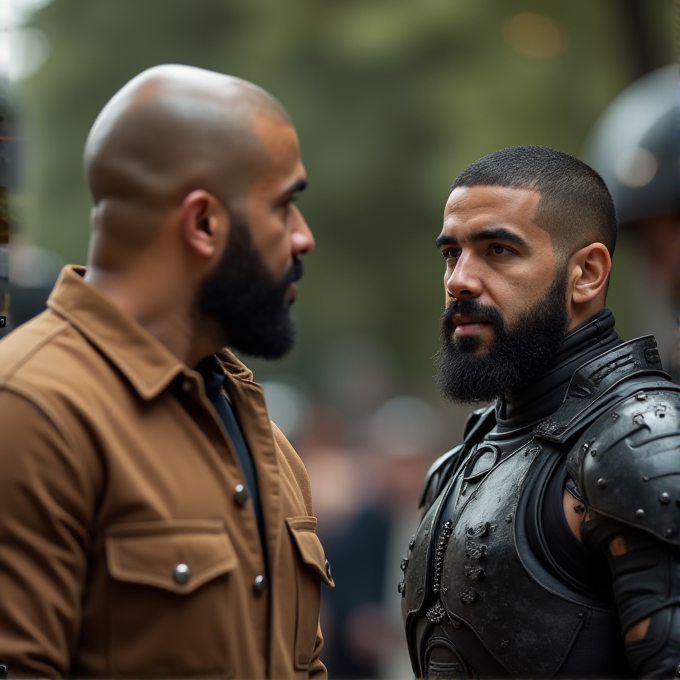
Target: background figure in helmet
x,y
635,146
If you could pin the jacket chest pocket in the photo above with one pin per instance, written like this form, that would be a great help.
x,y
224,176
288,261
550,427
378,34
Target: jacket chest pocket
x,y
313,570
168,594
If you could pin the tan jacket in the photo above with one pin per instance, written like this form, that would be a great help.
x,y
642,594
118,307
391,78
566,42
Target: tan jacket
x,y
124,549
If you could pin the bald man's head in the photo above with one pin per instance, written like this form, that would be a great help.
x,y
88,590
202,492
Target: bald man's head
x,y
169,131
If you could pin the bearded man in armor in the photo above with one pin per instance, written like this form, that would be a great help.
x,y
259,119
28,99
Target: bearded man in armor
x,y
549,544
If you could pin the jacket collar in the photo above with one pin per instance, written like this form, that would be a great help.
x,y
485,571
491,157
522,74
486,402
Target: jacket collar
x,y
147,364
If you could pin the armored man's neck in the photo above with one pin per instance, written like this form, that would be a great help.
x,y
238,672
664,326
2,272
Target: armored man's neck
x,y
542,397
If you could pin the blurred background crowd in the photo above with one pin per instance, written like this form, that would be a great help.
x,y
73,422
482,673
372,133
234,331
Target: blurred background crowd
x,y
391,98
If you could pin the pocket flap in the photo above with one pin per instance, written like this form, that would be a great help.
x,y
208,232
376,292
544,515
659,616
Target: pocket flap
x,y
303,530
176,555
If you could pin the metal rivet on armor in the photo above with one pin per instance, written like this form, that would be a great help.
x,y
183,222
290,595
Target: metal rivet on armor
x,y
479,530
593,453
475,551
508,518
436,613
638,419
474,573
328,570
586,446
615,416
411,543
240,494
260,584
640,513
181,574
665,498
404,564
400,587
652,355
641,396
602,483
468,596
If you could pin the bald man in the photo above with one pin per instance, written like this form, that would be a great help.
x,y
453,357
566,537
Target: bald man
x,y
153,521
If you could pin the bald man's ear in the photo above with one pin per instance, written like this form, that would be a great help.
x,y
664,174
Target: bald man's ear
x,y
205,223
589,272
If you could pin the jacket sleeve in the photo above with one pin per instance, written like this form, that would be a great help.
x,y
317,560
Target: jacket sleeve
x,y
646,584
45,518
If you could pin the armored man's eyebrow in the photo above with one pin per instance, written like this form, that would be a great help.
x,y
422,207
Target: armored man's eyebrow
x,y
491,234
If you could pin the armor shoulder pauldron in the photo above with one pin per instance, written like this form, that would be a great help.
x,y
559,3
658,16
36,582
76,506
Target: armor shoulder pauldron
x,y
627,463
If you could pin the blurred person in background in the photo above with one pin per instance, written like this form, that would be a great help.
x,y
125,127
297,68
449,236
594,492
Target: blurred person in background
x,y
392,449
635,146
153,521
550,540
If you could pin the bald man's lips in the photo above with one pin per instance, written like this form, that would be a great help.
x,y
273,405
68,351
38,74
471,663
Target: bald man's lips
x,y
468,324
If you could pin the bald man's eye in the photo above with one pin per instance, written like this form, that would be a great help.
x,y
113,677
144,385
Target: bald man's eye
x,y
288,204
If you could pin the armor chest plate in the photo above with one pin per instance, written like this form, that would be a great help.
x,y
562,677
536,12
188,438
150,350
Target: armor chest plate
x,y
469,571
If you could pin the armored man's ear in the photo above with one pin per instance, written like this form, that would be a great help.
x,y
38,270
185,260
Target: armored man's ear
x,y
204,223
589,272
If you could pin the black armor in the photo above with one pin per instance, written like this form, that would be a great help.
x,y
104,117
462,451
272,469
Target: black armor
x,y
630,469
495,584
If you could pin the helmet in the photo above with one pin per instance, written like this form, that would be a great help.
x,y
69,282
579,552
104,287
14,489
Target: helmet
x,y
635,146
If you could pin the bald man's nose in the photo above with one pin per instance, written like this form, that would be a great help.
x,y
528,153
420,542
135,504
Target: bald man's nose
x,y
301,237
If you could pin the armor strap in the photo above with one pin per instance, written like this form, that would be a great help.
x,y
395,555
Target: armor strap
x,y
478,425
601,381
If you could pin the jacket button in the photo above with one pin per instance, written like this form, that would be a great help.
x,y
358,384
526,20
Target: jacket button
x,y
328,570
182,573
260,584
240,494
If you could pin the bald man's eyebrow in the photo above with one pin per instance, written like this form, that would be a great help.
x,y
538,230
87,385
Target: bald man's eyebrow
x,y
297,186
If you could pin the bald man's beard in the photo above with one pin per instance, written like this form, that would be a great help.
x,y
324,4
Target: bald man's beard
x,y
517,356
245,299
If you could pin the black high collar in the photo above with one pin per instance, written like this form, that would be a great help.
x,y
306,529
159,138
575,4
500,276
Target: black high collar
x,y
525,407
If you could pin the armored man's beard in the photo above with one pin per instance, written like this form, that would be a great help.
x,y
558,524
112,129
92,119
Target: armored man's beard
x,y
517,355
246,301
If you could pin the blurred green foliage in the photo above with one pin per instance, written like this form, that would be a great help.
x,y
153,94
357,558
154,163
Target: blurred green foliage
x,y
392,98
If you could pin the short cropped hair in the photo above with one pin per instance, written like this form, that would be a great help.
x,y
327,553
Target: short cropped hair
x,y
575,206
